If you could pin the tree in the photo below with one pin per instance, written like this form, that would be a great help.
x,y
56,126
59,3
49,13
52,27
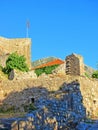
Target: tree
x,y
15,61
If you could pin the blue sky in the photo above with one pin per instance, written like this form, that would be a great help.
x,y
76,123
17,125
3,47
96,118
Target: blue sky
x,y
57,27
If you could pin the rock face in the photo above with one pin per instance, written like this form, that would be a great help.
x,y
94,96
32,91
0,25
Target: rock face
x,y
22,46
63,109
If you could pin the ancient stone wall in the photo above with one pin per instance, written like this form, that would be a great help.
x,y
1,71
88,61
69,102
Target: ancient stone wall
x,y
74,65
3,59
20,45
63,110
52,82
60,69
25,86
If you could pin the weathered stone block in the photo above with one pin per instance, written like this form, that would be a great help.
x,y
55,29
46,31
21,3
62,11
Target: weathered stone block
x,y
11,75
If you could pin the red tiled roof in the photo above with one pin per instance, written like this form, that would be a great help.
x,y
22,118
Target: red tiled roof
x,y
54,62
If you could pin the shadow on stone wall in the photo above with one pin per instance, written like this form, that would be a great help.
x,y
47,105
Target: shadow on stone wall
x,y
18,100
55,110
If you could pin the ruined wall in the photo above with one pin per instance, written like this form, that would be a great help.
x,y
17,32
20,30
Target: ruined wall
x,y
81,64
64,110
20,45
3,59
31,87
74,65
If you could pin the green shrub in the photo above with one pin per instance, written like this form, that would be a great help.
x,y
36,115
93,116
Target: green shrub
x,y
95,74
46,70
87,75
9,110
39,71
49,69
30,107
15,61
1,67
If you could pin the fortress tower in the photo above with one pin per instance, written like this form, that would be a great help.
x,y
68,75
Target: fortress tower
x,y
20,45
74,65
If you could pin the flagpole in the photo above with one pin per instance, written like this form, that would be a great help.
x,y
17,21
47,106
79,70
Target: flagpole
x,y
27,33
27,28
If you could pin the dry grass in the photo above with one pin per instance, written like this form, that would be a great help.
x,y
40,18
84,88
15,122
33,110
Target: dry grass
x,y
10,115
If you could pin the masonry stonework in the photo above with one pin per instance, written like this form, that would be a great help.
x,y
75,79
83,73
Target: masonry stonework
x,y
74,65
64,110
20,45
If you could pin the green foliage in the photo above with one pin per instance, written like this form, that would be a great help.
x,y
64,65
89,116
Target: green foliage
x,y
29,107
87,75
1,67
46,70
15,61
39,71
8,110
95,74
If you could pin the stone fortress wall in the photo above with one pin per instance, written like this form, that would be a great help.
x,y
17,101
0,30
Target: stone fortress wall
x,y
74,65
20,45
63,110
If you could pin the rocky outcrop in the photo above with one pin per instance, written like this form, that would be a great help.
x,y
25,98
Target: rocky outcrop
x,y
42,61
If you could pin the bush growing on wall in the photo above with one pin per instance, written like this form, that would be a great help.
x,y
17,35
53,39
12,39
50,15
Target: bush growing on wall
x,y
46,70
15,61
95,74
1,67
39,71
87,75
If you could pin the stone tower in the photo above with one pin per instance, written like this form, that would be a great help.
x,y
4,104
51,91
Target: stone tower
x,y
20,45
74,65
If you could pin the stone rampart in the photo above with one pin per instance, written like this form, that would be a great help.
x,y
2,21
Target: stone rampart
x,y
63,110
20,45
30,84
